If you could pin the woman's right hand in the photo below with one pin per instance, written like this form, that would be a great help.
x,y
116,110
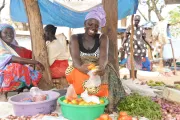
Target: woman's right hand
x,y
121,49
84,68
39,65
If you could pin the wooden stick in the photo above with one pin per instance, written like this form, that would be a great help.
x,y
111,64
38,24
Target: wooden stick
x,y
111,31
70,33
132,48
174,62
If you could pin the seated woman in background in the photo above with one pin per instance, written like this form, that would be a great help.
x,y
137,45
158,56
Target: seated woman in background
x,y
14,70
146,64
91,47
57,54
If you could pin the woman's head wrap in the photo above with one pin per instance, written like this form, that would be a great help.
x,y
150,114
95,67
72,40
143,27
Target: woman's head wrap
x,y
3,26
99,14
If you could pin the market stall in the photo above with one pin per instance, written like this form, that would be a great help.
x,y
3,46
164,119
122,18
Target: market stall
x,y
86,107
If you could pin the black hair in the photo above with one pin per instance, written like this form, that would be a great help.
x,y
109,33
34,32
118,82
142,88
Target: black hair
x,y
51,28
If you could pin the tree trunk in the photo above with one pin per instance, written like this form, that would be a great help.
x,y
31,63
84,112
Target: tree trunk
x,y
149,15
158,14
2,6
142,15
132,48
110,7
38,42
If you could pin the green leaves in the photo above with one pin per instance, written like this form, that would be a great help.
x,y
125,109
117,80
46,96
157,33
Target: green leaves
x,y
140,106
175,15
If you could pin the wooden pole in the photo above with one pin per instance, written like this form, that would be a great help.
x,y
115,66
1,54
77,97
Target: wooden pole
x,y
70,33
38,42
150,56
174,61
132,47
110,7
123,22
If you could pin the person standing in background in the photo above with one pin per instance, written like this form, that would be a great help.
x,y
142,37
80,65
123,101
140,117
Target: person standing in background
x,y
139,44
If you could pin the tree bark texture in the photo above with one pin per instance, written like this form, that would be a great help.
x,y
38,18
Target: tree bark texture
x,y
110,7
38,42
3,5
158,14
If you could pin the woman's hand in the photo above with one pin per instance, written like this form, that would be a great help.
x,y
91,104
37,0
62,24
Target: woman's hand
x,y
84,68
151,48
39,65
121,49
100,71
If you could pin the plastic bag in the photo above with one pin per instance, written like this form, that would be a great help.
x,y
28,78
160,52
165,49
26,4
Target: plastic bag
x,y
71,93
132,86
37,94
94,80
87,98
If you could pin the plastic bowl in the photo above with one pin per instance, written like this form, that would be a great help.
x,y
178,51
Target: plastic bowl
x,y
34,108
78,112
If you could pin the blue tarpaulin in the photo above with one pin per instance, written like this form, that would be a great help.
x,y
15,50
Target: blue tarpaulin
x,y
58,15
121,30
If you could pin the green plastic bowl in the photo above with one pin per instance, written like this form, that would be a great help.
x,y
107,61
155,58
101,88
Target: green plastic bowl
x,y
78,112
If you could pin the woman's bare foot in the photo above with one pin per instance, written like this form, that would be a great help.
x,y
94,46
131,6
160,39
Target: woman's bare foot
x,y
109,109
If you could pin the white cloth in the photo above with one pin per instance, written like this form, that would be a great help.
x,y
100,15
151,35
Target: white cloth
x,y
167,51
57,49
159,32
9,49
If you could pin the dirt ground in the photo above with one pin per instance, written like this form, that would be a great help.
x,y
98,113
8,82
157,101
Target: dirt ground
x,y
165,79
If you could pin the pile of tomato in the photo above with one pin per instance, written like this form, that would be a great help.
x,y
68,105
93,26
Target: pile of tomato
x,y
121,116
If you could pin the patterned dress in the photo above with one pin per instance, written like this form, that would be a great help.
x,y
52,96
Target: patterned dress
x,y
14,76
139,45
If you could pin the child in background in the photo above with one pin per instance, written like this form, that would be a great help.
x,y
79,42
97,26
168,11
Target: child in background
x,y
146,64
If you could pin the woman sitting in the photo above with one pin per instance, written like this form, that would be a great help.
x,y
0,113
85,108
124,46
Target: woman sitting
x,y
57,54
14,70
146,64
92,47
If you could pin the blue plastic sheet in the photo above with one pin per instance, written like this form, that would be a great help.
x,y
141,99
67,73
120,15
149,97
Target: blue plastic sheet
x,y
58,15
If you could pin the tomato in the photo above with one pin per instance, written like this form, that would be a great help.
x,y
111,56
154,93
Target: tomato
x,y
91,66
104,117
129,118
125,118
97,119
123,113
110,118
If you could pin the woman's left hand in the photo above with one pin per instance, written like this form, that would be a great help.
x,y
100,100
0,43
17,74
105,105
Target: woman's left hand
x,y
151,48
100,71
40,66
